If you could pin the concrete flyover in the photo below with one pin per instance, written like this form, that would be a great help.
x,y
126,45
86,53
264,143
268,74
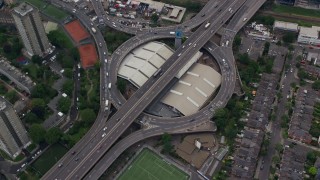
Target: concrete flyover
x,y
121,120
103,91
132,43
218,53
89,149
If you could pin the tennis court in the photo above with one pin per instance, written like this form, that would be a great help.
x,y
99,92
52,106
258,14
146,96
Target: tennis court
x,y
150,166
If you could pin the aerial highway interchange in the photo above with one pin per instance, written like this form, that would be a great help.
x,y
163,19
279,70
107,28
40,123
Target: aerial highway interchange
x,y
92,155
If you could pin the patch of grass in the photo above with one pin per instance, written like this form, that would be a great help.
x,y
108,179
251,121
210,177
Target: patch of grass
x,y
149,165
4,155
31,147
48,9
19,157
49,158
299,22
55,13
296,10
27,176
39,4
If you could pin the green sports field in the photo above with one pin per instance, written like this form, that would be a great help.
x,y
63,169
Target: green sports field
x,y
150,166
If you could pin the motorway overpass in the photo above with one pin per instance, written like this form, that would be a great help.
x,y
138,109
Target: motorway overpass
x,y
119,122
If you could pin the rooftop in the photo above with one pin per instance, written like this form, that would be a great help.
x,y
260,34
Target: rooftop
x,y
141,63
194,88
310,32
286,25
23,9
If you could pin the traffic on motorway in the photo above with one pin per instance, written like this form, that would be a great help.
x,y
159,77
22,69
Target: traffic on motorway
x,y
89,150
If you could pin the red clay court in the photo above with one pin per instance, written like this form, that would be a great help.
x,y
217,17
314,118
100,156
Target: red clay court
x,y
88,55
76,30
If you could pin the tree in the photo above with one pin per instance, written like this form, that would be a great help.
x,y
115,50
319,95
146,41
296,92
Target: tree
x,y
43,91
290,47
75,54
68,73
67,87
311,157
266,20
11,96
154,18
302,74
67,62
36,59
166,138
289,38
293,85
7,48
121,85
231,130
38,107
276,159
316,85
87,116
3,89
237,42
279,147
64,104
312,171
244,59
221,118
166,141
57,38
53,135
31,118
266,49
37,133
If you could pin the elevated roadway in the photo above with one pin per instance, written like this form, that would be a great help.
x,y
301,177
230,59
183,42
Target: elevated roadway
x,y
173,127
104,93
138,102
186,26
228,76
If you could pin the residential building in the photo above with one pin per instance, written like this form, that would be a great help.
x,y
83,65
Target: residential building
x,y
13,135
31,30
292,163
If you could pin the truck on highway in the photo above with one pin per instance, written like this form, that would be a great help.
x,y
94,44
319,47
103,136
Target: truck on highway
x,y
93,30
172,32
159,71
207,25
109,85
94,18
106,105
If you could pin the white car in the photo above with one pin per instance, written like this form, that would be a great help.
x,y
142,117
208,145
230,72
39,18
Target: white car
x,y
104,134
104,53
105,128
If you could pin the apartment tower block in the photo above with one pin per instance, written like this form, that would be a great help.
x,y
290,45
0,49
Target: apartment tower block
x,y
31,29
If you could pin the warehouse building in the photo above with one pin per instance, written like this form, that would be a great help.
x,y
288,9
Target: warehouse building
x,y
285,26
309,35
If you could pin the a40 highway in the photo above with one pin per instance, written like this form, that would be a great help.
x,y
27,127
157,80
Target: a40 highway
x,y
92,147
